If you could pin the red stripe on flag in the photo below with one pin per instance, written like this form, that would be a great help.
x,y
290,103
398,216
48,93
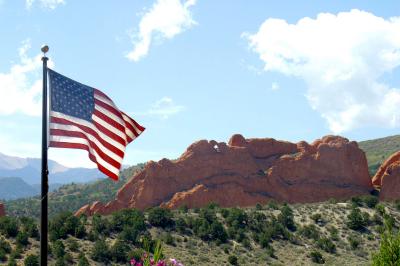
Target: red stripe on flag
x,y
91,156
109,108
92,132
110,121
105,157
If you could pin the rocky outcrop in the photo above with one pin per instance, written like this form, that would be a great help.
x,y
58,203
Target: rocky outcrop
x,y
2,210
387,178
245,172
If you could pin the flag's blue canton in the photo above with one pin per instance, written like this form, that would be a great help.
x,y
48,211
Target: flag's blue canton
x,y
70,97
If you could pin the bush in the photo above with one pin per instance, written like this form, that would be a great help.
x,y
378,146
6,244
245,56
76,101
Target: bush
x,y
316,257
160,217
22,239
73,244
9,226
30,227
233,260
12,262
309,231
31,260
237,218
355,220
136,254
62,225
354,241
82,260
286,218
100,252
119,251
100,226
58,249
168,239
5,245
326,244
389,250
370,201
3,256
128,218
397,205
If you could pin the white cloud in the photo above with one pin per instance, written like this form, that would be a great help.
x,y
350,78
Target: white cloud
x,y
274,86
20,88
342,58
49,4
164,20
164,108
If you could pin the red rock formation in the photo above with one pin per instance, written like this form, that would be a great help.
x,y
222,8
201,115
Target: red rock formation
x,y
2,210
388,178
246,172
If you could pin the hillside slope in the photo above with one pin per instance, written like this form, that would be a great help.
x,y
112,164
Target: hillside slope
x,y
378,150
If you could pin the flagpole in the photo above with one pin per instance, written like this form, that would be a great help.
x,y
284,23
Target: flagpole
x,y
45,172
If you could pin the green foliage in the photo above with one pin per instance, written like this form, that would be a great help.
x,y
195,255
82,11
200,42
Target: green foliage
x,y
354,241
355,220
12,262
316,257
119,251
62,225
58,249
317,218
326,244
237,218
82,260
22,238
389,250
5,245
286,218
100,225
3,256
73,245
397,205
136,254
31,260
9,226
208,228
30,227
310,231
127,217
370,201
101,252
233,260
160,217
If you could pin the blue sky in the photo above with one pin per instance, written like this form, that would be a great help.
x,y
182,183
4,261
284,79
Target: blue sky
x,y
190,70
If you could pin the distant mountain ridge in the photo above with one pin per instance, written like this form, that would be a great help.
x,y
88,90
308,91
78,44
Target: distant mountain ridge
x,y
15,188
28,169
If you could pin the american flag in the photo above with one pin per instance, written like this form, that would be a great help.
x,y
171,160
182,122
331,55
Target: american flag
x,y
84,118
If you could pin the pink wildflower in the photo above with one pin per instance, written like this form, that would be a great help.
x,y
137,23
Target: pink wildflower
x,y
161,263
173,261
133,262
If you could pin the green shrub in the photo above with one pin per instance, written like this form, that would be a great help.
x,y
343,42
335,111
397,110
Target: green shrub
x,y
128,218
22,238
370,200
101,252
309,231
354,241
233,260
316,257
9,226
100,225
160,217
31,260
380,208
62,225
286,218
12,262
73,245
168,239
334,233
136,254
389,250
3,255
82,260
5,245
119,251
237,218
326,244
30,227
397,205
355,220
58,249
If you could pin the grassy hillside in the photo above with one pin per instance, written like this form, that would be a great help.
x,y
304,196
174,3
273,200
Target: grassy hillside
x,y
72,196
377,150
345,233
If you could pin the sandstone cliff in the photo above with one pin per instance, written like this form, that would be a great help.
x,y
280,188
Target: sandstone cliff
x,y
387,179
245,172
